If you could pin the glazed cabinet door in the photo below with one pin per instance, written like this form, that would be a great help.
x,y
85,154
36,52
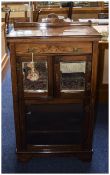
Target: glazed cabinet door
x,y
35,76
72,76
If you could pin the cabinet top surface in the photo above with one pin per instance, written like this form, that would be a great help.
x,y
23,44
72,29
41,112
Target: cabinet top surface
x,y
53,31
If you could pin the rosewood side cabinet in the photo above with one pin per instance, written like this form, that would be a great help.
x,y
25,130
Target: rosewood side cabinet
x,y
54,76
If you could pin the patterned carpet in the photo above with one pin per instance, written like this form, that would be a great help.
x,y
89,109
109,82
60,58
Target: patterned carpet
x,y
99,163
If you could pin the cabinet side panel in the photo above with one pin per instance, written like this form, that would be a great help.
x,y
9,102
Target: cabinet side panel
x,y
91,110
15,95
94,68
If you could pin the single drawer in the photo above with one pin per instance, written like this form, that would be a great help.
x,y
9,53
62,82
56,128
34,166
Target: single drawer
x,y
54,48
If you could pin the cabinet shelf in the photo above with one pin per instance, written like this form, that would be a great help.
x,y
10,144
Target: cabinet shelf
x,y
54,122
57,120
58,126
51,131
54,139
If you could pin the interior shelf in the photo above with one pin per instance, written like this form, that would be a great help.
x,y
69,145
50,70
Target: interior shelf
x,y
58,126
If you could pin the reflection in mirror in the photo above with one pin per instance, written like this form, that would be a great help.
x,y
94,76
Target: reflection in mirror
x,y
72,76
35,76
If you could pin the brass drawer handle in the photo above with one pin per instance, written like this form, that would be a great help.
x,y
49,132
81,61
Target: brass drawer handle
x,y
77,50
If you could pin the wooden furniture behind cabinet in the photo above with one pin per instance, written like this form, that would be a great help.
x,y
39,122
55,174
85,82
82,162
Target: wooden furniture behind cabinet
x,y
22,11
54,72
102,84
4,53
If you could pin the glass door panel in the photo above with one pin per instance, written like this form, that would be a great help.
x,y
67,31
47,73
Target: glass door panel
x,y
72,76
35,76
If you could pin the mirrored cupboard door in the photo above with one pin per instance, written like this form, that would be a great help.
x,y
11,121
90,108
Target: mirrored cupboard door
x,y
72,76
35,76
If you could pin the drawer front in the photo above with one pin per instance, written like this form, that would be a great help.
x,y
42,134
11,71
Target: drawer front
x,y
54,48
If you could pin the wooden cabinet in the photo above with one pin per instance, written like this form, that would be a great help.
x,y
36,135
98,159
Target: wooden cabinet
x,y
19,11
54,73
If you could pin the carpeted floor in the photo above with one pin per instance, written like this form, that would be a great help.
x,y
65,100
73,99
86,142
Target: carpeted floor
x,y
99,163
